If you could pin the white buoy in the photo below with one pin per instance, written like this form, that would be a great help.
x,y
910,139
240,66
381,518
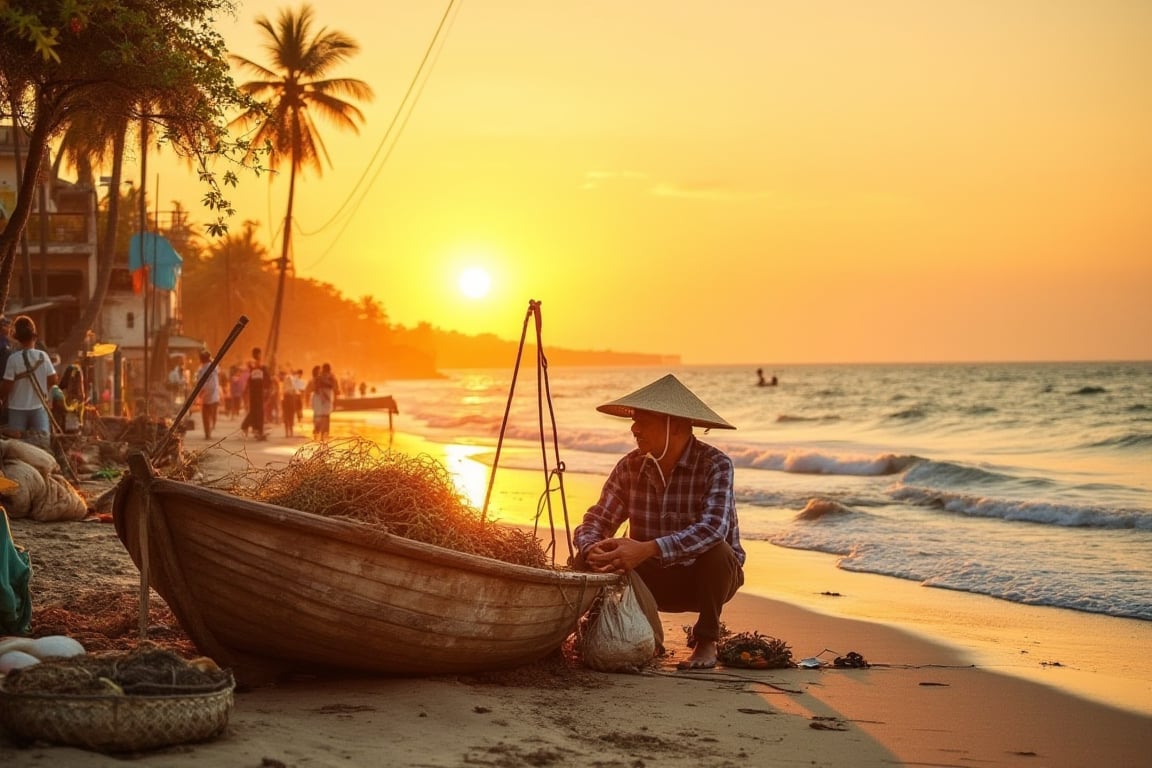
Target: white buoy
x,y
55,646
16,660
52,646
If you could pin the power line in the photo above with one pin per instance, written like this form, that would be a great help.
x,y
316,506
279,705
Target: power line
x,y
399,121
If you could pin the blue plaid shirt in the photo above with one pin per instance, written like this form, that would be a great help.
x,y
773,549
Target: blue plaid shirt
x,y
687,518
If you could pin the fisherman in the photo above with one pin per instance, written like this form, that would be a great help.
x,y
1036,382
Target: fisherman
x,y
675,493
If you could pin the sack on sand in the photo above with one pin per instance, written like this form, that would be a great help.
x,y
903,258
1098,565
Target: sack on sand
x,y
41,492
61,502
28,491
619,638
18,450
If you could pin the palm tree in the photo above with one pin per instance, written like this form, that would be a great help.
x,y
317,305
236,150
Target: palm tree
x,y
111,60
230,272
288,94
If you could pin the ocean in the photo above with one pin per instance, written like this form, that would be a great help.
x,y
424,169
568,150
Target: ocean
x,y
1029,482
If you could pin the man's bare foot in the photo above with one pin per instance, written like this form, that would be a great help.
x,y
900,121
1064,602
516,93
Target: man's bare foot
x,y
703,656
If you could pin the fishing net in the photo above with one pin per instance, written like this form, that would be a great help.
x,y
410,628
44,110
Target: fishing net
x,y
412,496
750,650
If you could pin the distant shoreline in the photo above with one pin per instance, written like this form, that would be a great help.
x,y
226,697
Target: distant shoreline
x,y
580,359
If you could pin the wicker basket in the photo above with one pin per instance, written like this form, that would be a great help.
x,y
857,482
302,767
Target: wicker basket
x,y
116,723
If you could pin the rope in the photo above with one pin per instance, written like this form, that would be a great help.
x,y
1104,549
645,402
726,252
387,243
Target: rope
x,y
543,393
507,409
399,122
558,471
716,676
62,455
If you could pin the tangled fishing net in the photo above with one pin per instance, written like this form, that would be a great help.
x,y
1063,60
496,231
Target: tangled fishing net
x,y
754,651
409,496
750,650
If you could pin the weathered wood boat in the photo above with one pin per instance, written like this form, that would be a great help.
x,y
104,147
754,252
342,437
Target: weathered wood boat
x,y
270,591
366,403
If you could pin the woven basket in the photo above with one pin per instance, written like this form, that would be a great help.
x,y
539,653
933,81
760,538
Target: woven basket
x,y
116,723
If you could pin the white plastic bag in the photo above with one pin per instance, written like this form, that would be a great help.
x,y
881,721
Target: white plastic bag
x,y
619,638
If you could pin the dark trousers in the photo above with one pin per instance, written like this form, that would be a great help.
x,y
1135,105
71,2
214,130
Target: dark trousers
x,y
208,416
254,419
702,587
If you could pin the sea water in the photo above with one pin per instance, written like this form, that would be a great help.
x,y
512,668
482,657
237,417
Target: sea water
x,y
1030,483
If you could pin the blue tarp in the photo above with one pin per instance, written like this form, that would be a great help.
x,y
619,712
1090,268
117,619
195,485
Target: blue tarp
x,y
159,256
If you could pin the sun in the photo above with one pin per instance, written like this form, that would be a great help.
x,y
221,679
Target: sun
x,y
474,282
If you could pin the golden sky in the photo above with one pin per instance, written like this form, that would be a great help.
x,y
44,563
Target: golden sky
x,y
752,181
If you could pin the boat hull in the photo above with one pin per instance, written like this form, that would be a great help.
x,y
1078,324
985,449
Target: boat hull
x,y
269,591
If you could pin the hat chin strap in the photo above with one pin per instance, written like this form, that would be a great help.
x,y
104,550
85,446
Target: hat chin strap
x,y
667,441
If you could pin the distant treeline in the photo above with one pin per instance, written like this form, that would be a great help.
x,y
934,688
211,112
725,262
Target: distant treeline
x,y
234,275
452,349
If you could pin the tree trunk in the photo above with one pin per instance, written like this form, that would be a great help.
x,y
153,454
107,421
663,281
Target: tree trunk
x,y
10,236
278,307
105,257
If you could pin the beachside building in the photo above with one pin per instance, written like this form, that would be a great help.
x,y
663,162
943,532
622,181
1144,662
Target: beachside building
x,y
55,275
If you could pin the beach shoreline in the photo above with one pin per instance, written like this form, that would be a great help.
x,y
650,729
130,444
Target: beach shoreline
x,y
922,702
1098,657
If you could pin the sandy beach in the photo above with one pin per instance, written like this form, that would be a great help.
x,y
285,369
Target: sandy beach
x,y
920,703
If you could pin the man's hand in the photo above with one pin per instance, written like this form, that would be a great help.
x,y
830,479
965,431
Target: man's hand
x,y
620,555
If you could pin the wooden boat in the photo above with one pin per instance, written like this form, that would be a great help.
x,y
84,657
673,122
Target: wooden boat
x,y
269,591
366,403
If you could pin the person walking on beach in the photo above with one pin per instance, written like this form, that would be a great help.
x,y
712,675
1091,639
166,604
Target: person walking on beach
x,y
68,399
254,419
272,394
209,394
289,402
675,493
301,387
237,380
323,387
28,377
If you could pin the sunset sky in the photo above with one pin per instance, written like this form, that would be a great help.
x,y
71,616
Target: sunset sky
x,y
750,181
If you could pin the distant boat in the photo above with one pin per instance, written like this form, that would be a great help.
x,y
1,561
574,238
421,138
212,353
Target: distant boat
x,y
368,403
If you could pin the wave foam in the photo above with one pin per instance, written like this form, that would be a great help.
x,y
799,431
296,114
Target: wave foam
x,y
818,508
1068,515
817,463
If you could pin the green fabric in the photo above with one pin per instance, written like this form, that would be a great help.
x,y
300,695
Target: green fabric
x,y
15,575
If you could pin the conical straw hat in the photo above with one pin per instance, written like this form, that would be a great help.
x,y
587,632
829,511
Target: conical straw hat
x,y
668,396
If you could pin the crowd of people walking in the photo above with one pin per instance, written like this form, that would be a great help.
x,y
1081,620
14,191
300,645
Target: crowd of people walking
x,y
266,398
38,398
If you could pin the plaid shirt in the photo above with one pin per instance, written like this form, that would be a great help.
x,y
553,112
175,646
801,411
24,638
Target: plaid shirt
x,y
688,517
